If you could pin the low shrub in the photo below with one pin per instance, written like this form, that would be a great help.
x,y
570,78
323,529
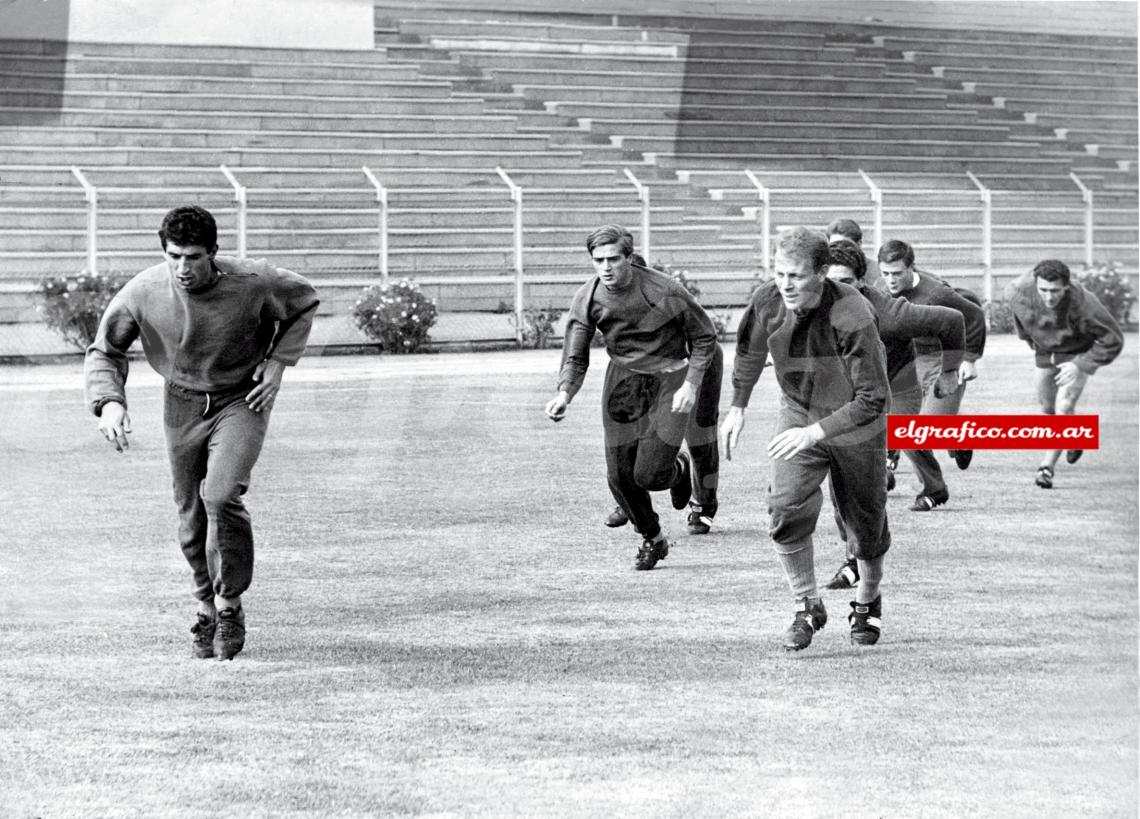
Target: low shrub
x,y
398,316
73,305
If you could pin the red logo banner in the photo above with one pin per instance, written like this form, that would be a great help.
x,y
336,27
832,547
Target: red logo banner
x,y
993,432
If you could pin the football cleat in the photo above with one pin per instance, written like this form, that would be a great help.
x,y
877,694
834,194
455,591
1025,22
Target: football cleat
x,y
962,457
650,553
866,621
925,503
229,638
617,518
1044,477
203,631
847,577
810,619
682,489
1073,455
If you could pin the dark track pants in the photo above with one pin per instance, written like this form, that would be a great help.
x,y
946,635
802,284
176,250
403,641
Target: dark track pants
x,y
856,464
643,436
213,441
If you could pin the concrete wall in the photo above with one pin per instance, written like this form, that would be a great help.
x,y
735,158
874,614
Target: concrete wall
x,y
318,24
1115,18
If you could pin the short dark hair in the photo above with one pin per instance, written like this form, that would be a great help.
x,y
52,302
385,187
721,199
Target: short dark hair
x,y
189,225
611,235
1052,270
804,245
848,254
894,249
846,227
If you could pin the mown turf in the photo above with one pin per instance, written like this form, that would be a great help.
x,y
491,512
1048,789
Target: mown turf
x,y
441,625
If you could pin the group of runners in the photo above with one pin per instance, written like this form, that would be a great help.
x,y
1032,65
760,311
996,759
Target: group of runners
x,y
845,352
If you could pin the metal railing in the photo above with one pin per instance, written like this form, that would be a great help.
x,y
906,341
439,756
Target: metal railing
x,y
877,192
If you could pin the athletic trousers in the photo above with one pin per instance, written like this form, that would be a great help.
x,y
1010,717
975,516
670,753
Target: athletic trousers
x,y
213,440
643,436
856,463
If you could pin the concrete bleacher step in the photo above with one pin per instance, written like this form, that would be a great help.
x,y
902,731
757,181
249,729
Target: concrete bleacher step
x,y
1047,46
824,145
194,66
281,122
1034,77
495,60
1001,60
884,163
547,92
1044,93
71,137
466,25
713,130
838,110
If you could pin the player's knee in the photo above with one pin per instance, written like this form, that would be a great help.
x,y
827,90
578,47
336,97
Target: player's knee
x,y
222,494
653,477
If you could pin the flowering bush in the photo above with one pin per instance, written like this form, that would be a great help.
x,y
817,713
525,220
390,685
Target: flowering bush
x,y
73,305
537,325
398,316
1112,289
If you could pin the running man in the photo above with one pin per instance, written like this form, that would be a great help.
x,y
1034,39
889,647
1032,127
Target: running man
x,y
1071,334
899,323
903,281
220,331
832,371
662,386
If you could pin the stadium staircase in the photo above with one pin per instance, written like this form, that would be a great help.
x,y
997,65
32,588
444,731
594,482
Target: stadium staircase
x,y
565,105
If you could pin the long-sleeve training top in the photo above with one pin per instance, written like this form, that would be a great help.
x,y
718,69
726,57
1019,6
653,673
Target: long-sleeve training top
x,y
1079,325
207,340
652,326
901,322
828,360
931,290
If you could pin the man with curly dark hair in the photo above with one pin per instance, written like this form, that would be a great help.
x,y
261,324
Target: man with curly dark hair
x,y
220,331
1071,334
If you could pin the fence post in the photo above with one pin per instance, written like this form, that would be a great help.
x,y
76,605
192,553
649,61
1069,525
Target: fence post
x,y
92,196
765,220
1087,195
877,200
240,198
987,239
643,196
382,198
517,198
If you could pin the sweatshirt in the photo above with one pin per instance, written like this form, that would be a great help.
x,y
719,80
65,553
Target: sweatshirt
x,y
901,322
1079,326
208,340
829,360
653,326
931,290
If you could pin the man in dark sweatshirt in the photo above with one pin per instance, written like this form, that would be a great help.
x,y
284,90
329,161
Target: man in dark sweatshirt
x,y
1071,334
662,386
902,281
899,323
832,371
220,331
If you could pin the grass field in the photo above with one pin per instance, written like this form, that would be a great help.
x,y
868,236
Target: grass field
x,y
440,624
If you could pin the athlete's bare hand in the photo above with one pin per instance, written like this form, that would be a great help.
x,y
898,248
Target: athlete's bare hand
x,y
268,375
1066,373
791,442
556,406
115,425
730,431
947,384
685,397
967,371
